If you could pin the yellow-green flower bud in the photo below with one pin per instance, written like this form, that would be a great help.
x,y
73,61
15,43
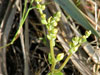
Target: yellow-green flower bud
x,y
87,34
84,39
54,23
49,19
73,49
57,19
58,14
53,36
43,21
40,11
75,40
54,31
43,7
38,6
60,56
50,27
43,16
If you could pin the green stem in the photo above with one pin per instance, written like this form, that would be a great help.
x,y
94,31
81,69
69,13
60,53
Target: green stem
x,y
21,24
5,46
25,6
53,56
65,62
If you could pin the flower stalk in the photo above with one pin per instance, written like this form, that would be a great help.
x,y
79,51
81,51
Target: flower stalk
x,y
51,25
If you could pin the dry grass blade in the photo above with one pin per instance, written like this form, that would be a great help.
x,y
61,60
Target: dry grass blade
x,y
5,29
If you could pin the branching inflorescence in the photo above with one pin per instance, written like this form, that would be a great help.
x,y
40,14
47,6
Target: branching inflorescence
x,y
51,25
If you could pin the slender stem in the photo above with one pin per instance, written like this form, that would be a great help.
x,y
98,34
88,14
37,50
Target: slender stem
x,y
25,6
21,24
53,56
5,46
65,62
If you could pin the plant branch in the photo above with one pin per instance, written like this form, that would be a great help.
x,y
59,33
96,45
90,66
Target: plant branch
x,y
65,62
53,56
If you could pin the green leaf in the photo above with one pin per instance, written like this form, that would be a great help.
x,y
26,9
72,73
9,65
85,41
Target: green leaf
x,y
50,58
76,14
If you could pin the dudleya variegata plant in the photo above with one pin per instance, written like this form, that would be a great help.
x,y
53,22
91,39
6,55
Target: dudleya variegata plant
x,y
51,25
